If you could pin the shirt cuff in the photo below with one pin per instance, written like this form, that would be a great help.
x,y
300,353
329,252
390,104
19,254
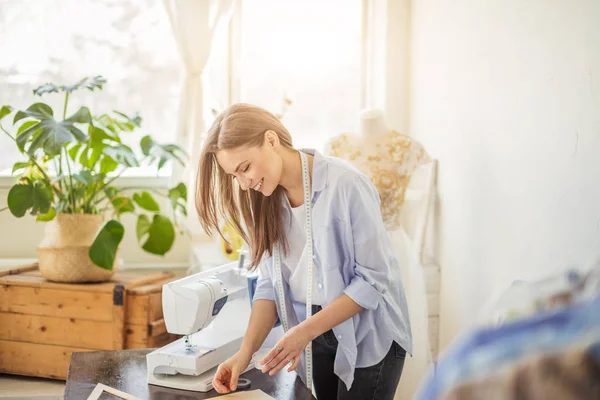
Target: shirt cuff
x,y
364,294
262,296
264,291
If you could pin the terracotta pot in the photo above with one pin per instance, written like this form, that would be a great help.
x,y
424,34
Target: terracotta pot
x,y
64,251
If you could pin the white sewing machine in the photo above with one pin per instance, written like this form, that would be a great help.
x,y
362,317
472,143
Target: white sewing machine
x,y
190,308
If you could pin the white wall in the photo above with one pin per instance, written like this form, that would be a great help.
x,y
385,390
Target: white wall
x,y
506,94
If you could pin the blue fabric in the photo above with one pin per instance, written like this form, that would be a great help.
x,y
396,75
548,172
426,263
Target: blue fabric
x,y
483,351
352,255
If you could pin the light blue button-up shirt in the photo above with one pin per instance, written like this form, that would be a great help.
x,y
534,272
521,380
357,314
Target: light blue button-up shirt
x,y
352,255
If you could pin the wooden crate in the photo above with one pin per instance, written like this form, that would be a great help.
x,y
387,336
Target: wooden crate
x,y
42,323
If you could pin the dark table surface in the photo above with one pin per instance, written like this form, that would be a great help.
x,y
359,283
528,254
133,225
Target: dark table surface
x,y
126,370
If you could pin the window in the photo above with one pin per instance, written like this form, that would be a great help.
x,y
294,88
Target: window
x,y
308,51
129,42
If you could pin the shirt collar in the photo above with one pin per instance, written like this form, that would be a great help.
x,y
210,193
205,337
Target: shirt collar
x,y
319,182
319,173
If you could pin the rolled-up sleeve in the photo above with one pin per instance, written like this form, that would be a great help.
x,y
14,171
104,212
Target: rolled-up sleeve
x,y
264,285
372,248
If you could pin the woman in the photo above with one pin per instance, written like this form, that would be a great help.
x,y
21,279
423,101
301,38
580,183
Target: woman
x,y
348,278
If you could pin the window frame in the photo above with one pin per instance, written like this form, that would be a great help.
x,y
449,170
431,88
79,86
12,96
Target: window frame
x,y
143,176
233,71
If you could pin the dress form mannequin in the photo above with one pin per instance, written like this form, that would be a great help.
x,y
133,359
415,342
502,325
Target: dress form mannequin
x,y
372,123
387,157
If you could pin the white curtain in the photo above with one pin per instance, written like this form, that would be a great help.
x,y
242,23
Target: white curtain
x,y
194,23
385,59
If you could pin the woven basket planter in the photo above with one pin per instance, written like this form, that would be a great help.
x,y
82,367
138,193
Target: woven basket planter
x,y
64,251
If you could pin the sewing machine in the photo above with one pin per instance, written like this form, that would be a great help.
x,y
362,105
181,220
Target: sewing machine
x,y
191,306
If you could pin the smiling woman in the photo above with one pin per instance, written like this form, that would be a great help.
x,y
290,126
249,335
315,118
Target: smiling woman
x,y
339,286
237,147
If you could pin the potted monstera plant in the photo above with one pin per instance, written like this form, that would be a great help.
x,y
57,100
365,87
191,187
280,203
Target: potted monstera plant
x,y
67,179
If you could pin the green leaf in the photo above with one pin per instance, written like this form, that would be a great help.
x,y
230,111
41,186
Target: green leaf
x,y
4,111
162,163
20,199
172,148
146,201
87,175
122,154
178,197
107,164
135,119
49,216
161,236
84,177
167,152
110,192
20,165
39,111
143,226
73,151
54,136
82,116
95,146
92,83
42,198
115,126
83,157
78,193
100,133
26,125
179,191
22,137
105,121
80,179
49,133
104,249
94,157
36,196
146,145
122,205
45,88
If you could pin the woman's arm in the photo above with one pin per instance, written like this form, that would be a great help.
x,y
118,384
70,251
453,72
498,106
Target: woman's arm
x,y
293,343
262,319
334,314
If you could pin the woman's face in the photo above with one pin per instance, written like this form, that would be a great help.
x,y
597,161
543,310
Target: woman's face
x,y
255,168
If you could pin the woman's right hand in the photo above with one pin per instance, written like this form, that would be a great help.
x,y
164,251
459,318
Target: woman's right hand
x,y
226,378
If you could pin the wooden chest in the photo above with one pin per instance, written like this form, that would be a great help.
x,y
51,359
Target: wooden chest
x,y
42,323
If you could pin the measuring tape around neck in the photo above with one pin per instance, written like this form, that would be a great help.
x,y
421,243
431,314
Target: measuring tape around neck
x,y
309,245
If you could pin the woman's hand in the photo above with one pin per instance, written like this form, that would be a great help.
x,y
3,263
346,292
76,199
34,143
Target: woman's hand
x,y
288,349
226,378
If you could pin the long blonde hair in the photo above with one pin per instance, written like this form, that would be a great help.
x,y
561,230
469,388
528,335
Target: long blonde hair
x,y
240,125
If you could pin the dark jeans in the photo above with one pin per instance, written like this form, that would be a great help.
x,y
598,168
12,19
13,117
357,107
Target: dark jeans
x,y
377,382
